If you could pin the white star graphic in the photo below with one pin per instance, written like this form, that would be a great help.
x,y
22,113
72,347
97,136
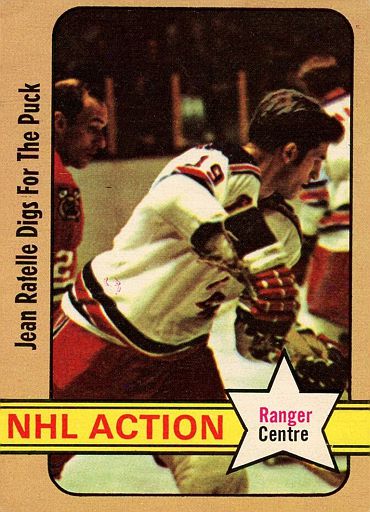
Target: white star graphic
x,y
281,419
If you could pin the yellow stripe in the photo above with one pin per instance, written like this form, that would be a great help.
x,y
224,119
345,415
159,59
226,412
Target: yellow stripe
x,y
142,427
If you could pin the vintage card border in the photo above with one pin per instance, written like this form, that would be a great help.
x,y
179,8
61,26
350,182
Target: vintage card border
x,y
26,29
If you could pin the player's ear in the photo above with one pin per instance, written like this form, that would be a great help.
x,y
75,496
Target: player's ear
x,y
60,122
290,152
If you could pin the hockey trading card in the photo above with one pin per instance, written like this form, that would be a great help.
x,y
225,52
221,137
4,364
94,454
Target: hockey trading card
x,y
176,179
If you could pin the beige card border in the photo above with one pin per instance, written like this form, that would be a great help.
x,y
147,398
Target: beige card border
x,y
26,28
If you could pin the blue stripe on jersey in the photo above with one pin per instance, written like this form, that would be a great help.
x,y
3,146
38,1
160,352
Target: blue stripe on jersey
x,y
313,185
333,228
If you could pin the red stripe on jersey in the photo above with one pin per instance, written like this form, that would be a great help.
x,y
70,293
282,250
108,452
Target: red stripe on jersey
x,y
334,94
309,196
245,167
81,291
335,219
192,171
339,118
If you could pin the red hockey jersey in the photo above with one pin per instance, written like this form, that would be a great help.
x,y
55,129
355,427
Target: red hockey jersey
x,y
68,227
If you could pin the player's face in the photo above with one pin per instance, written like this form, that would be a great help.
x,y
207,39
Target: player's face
x,y
293,176
85,136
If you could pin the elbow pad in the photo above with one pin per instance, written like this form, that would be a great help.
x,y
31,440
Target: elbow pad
x,y
244,238
249,231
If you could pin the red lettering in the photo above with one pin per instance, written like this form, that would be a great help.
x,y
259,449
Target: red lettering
x,y
263,414
119,426
23,430
149,423
104,429
65,433
180,420
166,427
52,426
217,432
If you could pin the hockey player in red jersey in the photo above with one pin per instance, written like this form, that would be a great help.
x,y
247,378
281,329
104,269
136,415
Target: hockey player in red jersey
x,y
79,119
138,318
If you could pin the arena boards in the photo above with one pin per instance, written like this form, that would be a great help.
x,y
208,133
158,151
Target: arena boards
x,y
27,76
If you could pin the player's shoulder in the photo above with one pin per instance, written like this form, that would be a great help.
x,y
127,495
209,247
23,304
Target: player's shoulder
x,y
235,153
58,164
240,162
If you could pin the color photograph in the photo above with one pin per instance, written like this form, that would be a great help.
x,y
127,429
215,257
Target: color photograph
x,y
205,140
184,223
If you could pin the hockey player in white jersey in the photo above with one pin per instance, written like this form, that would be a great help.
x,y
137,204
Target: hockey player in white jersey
x,y
138,319
325,206
329,275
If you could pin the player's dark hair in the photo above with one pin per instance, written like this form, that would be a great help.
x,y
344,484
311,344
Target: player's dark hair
x,y
320,81
286,116
69,94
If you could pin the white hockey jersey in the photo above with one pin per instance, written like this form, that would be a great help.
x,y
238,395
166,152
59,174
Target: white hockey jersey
x,y
334,226
152,289
325,207
338,156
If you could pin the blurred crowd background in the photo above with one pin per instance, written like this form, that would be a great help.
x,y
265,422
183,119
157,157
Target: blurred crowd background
x,y
216,59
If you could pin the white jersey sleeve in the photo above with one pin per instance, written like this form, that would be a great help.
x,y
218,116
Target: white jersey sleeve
x,y
287,234
338,158
285,225
243,189
184,204
321,198
334,227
